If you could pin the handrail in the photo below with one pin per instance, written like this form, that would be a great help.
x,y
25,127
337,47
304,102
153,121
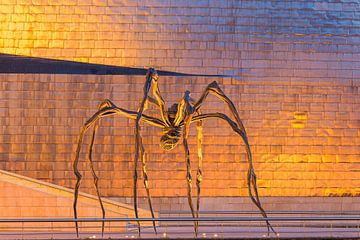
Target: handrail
x,y
185,219
344,227
268,212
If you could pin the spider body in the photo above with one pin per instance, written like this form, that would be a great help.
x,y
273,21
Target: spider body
x,y
174,122
171,137
172,133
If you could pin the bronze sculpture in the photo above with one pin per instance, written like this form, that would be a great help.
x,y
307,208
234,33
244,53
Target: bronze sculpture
x,y
175,123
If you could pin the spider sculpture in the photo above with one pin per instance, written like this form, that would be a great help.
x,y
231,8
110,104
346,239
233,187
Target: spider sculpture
x,y
175,123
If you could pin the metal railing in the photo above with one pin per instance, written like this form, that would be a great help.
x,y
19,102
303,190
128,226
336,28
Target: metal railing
x,y
182,219
318,225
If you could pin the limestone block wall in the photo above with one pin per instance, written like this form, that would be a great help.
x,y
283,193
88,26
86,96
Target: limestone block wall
x,y
297,91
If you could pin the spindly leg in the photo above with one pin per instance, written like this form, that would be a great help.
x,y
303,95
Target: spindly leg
x,y
91,121
252,186
104,104
158,99
106,111
137,137
146,181
189,111
216,90
150,77
189,179
199,137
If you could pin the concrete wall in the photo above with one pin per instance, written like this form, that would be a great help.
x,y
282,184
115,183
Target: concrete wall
x,y
297,93
23,197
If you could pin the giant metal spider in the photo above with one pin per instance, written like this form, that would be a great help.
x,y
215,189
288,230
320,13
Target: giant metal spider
x,y
175,122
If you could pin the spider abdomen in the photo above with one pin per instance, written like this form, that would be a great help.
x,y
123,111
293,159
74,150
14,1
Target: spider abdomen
x,y
170,138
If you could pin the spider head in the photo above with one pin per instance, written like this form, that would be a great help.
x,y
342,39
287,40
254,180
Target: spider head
x,y
170,138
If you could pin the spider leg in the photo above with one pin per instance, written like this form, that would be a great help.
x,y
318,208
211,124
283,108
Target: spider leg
x,y
251,176
188,114
215,89
159,100
183,116
146,181
153,101
91,121
104,104
105,111
199,136
151,77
